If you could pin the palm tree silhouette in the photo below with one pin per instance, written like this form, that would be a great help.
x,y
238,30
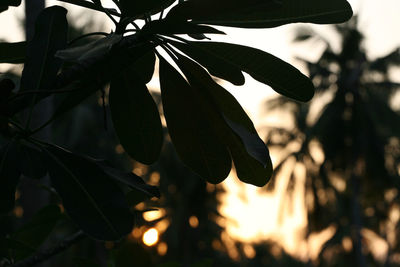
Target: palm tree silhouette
x,y
354,183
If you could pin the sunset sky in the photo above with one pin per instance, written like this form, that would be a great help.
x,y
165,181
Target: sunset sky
x,y
379,21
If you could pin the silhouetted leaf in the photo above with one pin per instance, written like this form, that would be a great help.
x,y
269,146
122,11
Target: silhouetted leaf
x,y
198,36
248,169
9,176
79,92
262,14
89,52
250,155
144,66
129,178
138,8
215,64
167,27
6,3
230,109
90,197
135,117
31,161
36,230
41,66
264,67
192,133
12,52
106,68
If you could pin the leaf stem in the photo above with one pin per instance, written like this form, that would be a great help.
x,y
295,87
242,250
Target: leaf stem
x,y
16,124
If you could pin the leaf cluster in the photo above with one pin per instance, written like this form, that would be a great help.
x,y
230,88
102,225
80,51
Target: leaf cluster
x,y
207,126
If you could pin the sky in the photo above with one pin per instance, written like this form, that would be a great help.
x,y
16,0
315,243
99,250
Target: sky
x,y
379,21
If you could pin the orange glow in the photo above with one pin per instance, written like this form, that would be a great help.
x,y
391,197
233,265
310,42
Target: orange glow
x,y
378,247
150,237
18,211
154,178
249,251
109,245
347,244
230,246
119,149
17,194
62,210
162,225
317,240
193,222
140,206
162,248
136,233
153,215
216,244
274,215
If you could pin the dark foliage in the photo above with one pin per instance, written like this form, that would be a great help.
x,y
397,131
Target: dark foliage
x,y
207,126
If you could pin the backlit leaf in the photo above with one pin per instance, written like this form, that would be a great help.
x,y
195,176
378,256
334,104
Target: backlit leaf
x,y
216,65
191,131
135,117
264,67
144,66
262,13
249,153
41,66
31,161
129,179
90,197
89,52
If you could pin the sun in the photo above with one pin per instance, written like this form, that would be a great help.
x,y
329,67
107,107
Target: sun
x,y
150,237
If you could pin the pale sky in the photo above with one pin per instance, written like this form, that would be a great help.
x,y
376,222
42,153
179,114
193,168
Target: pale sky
x,y
379,20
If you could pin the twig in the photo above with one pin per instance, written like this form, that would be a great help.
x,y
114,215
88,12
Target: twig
x,y
47,254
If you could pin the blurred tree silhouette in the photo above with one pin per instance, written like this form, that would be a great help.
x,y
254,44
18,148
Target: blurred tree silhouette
x,y
353,184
